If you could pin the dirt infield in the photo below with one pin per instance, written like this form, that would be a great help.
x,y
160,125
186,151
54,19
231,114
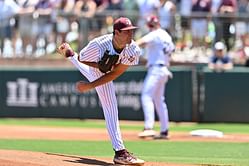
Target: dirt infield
x,y
24,158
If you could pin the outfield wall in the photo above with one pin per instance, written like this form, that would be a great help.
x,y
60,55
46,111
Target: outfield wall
x,y
51,93
224,96
194,94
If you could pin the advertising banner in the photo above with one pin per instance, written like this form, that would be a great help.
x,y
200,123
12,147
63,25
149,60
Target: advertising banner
x,y
52,93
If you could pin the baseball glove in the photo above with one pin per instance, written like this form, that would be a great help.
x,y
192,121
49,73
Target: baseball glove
x,y
107,62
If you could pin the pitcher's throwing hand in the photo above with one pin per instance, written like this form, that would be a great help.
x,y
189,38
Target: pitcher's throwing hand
x,y
65,50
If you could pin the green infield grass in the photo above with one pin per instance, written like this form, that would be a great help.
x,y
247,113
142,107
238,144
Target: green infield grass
x,y
199,153
208,153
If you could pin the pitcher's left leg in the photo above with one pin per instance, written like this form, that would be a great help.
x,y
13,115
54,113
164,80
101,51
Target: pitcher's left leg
x,y
108,100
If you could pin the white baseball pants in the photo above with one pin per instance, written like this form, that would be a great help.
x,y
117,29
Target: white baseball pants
x,y
108,100
153,97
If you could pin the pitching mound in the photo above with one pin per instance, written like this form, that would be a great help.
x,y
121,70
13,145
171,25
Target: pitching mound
x,y
25,158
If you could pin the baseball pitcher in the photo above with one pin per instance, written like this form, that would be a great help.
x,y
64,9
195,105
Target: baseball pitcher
x,y
104,59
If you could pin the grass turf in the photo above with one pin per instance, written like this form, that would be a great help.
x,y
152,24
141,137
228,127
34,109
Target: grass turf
x,y
200,153
208,153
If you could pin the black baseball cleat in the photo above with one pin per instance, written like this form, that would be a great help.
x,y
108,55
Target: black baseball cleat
x,y
162,135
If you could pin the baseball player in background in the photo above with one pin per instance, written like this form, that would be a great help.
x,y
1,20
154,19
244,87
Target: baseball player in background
x,y
104,59
159,46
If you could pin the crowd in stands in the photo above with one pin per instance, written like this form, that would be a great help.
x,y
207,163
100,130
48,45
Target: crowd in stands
x,y
32,28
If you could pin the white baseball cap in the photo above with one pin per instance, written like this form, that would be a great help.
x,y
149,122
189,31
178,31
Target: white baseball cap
x,y
219,46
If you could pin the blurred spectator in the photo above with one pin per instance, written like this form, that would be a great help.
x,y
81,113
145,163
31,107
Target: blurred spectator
x,y
226,11
64,8
185,11
214,21
241,25
43,25
14,30
220,61
115,5
247,63
85,11
25,24
241,55
166,13
131,8
101,5
8,8
101,16
146,8
215,6
85,8
199,23
113,9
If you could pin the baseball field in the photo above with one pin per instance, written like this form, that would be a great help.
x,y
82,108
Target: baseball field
x,y
67,142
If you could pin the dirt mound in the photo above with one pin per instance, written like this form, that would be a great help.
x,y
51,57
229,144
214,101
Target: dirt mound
x,y
25,158
60,133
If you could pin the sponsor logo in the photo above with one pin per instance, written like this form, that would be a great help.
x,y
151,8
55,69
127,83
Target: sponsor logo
x,y
26,93
131,58
22,93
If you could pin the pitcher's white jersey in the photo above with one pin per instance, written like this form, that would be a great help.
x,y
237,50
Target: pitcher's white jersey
x,y
93,52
